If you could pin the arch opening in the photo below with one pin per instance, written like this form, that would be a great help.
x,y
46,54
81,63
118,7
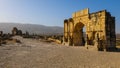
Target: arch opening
x,y
79,34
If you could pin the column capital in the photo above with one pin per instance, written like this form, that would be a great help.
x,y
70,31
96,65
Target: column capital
x,y
65,20
70,20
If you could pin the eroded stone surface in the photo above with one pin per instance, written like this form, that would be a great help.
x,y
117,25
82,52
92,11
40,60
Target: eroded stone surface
x,y
100,29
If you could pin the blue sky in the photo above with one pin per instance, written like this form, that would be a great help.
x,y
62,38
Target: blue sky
x,y
52,12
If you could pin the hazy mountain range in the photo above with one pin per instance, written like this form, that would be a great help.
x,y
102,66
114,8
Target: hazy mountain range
x,y
31,28
34,28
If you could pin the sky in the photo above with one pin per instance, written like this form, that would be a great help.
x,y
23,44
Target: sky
x,y
53,12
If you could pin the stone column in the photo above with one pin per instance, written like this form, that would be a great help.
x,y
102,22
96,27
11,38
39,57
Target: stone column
x,y
65,32
71,26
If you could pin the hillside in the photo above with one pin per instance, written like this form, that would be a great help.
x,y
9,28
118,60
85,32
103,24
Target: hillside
x,y
31,28
118,35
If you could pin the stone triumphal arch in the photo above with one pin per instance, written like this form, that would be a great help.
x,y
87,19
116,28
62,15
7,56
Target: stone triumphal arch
x,y
100,30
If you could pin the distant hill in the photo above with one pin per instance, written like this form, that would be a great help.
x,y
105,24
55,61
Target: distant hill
x,y
118,35
31,28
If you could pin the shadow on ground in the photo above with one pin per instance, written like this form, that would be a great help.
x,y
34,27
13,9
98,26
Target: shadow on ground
x,y
114,50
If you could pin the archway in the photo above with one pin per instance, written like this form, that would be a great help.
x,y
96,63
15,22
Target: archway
x,y
97,35
78,35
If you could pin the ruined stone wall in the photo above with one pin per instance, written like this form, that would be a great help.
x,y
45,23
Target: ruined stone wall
x,y
100,29
110,30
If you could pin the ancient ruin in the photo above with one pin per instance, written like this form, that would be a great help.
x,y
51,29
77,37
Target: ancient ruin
x,y
15,31
100,30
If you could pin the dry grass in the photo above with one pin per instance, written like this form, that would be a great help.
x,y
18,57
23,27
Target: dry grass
x,y
38,54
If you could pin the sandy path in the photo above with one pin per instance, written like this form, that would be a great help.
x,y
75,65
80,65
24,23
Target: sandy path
x,y
37,54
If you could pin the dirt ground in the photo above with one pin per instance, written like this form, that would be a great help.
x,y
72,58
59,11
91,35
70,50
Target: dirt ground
x,y
38,54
